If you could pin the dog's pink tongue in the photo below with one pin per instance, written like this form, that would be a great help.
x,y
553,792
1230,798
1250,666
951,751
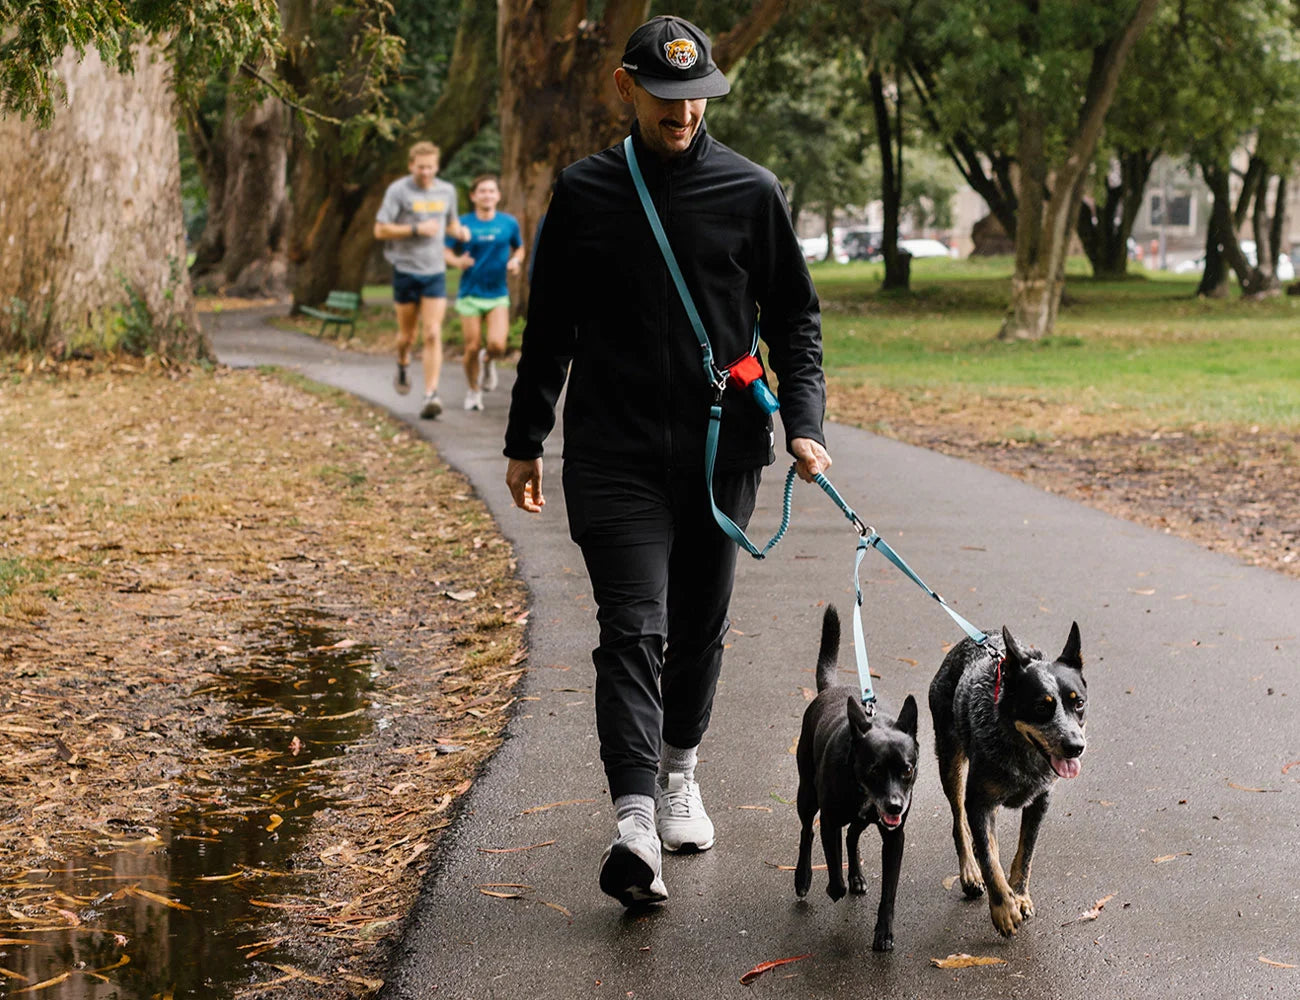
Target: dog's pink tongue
x,y
1066,767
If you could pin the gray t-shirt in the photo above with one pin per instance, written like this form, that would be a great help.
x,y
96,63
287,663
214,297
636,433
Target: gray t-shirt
x,y
406,202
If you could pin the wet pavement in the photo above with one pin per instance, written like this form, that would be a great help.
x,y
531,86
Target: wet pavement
x,y
1185,819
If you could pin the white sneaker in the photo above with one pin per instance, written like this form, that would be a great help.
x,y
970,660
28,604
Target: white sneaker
x,y
474,400
487,377
432,406
631,869
679,814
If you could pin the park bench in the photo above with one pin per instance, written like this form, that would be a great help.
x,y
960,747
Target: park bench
x,y
340,308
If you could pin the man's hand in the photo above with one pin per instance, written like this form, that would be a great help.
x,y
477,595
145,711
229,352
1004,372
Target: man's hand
x,y
810,458
460,232
524,478
514,265
464,262
429,227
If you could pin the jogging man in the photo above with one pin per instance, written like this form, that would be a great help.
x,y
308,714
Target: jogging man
x,y
604,309
417,213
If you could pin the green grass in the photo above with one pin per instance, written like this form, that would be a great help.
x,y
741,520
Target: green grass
x,y
1145,344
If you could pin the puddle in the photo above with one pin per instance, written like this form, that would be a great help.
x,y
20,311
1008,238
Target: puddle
x,y
172,911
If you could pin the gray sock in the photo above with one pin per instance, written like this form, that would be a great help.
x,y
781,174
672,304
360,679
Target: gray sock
x,y
676,760
638,808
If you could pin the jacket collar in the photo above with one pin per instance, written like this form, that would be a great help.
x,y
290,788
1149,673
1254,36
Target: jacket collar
x,y
652,166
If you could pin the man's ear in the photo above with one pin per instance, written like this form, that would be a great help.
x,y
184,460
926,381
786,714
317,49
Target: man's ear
x,y
625,83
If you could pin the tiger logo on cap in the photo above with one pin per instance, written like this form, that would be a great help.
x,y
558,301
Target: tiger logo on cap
x,y
681,52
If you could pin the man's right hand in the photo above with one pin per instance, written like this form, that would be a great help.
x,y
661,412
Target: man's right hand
x,y
524,478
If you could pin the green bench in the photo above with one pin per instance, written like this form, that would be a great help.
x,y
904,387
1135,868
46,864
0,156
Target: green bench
x,y
340,308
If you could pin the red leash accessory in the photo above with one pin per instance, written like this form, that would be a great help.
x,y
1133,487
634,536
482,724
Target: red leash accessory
x,y
997,681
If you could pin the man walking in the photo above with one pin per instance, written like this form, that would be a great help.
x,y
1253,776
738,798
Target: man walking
x,y
604,309
417,213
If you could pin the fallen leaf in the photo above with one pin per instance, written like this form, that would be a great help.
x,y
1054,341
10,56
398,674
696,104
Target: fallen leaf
x,y
555,805
461,595
1287,767
1091,914
135,890
1244,788
904,659
1276,965
62,977
276,820
10,974
1145,592
4,941
762,967
766,809
964,961
950,881
295,746
370,984
501,895
556,906
808,693
1170,857
512,850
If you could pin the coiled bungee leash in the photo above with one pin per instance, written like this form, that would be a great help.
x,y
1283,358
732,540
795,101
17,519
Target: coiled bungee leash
x,y
868,538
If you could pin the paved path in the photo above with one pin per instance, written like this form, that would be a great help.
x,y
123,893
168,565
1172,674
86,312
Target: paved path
x,y
1195,708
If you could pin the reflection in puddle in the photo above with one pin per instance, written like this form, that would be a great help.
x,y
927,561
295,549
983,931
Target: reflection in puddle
x,y
176,910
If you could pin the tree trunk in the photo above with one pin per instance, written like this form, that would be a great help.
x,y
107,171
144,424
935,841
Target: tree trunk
x,y
558,102
1104,231
897,266
1222,249
92,245
242,249
1044,222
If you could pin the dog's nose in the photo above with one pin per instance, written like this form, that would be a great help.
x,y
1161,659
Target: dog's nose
x,y
1071,748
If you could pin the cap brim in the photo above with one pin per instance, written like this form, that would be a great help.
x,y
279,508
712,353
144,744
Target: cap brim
x,y
712,85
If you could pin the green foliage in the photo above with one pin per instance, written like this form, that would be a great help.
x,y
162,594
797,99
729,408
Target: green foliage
x,y
14,572
200,35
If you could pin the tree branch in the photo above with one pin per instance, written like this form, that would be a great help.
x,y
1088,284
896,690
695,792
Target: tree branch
x,y
269,84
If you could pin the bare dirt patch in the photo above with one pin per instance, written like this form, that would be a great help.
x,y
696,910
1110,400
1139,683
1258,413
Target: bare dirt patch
x,y
1233,490
155,526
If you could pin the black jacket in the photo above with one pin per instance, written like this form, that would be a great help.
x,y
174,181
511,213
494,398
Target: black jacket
x,y
601,297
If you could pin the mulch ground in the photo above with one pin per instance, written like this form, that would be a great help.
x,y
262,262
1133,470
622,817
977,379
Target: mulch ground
x,y
155,526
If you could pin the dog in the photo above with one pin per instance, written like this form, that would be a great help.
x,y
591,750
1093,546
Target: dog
x,y
1007,724
857,768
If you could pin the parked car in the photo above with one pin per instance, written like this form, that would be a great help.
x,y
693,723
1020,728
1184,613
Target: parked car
x,y
924,248
859,244
814,247
1285,266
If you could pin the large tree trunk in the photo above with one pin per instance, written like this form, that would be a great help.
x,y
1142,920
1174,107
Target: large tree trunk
x,y
897,265
558,102
1044,222
1104,230
242,249
92,243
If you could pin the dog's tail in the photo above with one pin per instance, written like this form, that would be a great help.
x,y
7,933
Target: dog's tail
x,y
828,656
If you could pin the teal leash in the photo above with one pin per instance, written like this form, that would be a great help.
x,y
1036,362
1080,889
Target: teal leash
x,y
717,379
868,538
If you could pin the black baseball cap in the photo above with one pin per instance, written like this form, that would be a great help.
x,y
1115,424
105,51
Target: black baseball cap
x,y
673,60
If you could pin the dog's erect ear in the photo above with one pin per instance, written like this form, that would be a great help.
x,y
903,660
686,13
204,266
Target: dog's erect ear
x,y
907,716
858,717
1015,655
1070,655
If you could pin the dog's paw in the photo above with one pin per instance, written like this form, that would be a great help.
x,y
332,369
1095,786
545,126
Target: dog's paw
x,y
1006,916
802,881
1026,904
973,888
883,941
835,889
858,884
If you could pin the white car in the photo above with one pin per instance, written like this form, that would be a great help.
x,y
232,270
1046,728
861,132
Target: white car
x,y
924,248
1285,269
814,247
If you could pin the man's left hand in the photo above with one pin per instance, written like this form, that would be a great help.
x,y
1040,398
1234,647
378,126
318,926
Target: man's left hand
x,y
811,459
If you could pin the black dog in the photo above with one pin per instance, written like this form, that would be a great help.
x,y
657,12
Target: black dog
x,y
1007,724
858,769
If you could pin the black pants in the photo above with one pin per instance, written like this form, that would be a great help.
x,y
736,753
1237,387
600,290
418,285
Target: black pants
x,y
662,573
